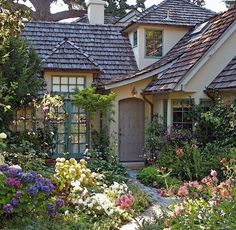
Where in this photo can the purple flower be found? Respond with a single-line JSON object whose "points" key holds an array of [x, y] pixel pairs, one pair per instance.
{"points": [[4, 167], [59, 202], [8, 208], [51, 209], [14, 172], [14, 202], [18, 194], [29, 177], [32, 190], [13, 182]]}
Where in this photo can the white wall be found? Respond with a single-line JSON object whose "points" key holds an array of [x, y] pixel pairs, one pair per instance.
{"points": [[171, 35]]}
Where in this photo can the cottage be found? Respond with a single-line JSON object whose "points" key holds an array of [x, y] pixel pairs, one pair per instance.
{"points": [[157, 62]]}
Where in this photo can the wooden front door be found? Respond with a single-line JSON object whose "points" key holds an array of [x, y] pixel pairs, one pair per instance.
{"points": [[131, 130]]}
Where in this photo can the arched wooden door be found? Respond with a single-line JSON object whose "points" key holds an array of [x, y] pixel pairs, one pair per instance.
{"points": [[131, 130]]}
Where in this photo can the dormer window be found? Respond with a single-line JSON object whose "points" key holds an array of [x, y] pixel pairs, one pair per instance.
{"points": [[153, 43], [135, 38]]}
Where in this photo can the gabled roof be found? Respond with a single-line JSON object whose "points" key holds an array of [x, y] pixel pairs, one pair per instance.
{"points": [[108, 19], [226, 79], [66, 55], [173, 12], [188, 52], [102, 43]]}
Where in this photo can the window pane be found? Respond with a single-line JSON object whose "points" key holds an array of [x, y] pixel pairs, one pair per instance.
{"points": [[56, 88], [135, 41], [56, 80], [153, 43], [80, 81], [80, 87], [64, 80], [72, 80], [82, 148], [64, 88], [72, 88]]}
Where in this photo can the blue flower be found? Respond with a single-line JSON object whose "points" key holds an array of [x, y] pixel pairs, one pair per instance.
{"points": [[4, 168], [59, 202], [14, 202], [18, 194], [32, 190], [8, 208], [51, 209]]}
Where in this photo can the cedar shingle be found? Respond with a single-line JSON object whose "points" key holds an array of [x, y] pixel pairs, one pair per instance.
{"points": [[226, 79], [104, 44]]}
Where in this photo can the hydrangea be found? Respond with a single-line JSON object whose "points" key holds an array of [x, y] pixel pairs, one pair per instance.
{"points": [[14, 202], [51, 207], [32, 190], [13, 182], [8, 208]]}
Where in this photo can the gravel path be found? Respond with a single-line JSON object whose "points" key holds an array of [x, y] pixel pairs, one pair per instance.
{"points": [[158, 203]]}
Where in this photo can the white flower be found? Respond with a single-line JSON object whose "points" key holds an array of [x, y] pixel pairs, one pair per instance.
{"points": [[66, 212], [3, 135], [16, 167]]}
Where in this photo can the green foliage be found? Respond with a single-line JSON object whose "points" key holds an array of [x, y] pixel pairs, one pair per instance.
{"points": [[93, 102], [106, 162], [216, 125], [19, 81], [141, 199], [151, 176], [153, 140]]}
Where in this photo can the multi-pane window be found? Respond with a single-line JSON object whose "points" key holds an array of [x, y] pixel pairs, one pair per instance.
{"points": [[135, 38], [67, 84], [181, 113], [153, 43], [206, 104], [23, 120]]}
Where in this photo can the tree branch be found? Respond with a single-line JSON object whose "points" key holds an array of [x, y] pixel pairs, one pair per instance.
{"points": [[67, 14]]}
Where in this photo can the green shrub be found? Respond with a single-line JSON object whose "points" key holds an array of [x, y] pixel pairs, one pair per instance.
{"points": [[141, 199], [161, 179]]}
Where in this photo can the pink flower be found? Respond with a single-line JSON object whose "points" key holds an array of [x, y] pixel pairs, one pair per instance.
{"points": [[183, 191], [200, 188], [194, 184], [13, 182], [215, 179], [177, 212], [179, 152], [154, 184], [213, 173], [125, 201], [204, 180], [161, 192], [45, 109]]}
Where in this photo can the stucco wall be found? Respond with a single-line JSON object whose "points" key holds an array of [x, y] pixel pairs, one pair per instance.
{"points": [[125, 92], [171, 35]]}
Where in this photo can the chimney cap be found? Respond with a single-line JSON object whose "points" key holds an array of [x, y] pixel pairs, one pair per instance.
{"points": [[95, 2]]}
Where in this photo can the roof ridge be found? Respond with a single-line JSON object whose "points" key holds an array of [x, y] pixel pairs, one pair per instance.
{"points": [[76, 47], [147, 11], [84, 53]]}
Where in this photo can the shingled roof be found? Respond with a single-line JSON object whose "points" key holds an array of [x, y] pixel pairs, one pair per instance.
{"points": [[66, 55], [102, 44], [108, 19], [226, 79], [187, 52], [173, 12]]}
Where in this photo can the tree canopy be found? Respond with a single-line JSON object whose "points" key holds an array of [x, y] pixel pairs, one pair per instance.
{"points": [[19, 64], [77, 8]]}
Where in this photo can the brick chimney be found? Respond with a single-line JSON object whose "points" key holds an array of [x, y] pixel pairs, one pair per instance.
{"points": [[96, 10]]}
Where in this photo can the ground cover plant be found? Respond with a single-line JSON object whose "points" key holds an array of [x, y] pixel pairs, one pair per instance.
{"points": [[206, 204]]}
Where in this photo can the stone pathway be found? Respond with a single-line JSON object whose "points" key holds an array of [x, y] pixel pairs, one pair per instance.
{"points": [[158, 203]]}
